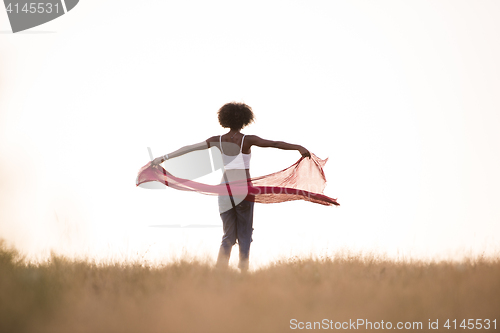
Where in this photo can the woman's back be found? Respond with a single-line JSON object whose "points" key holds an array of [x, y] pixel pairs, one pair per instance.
{"points": [[232, 154]]}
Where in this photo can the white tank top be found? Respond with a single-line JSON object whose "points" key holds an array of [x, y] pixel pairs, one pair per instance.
{"points": [[240, 161]]}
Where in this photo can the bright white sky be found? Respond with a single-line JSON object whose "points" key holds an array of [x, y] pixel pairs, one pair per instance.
{"points": [[401, 96]]}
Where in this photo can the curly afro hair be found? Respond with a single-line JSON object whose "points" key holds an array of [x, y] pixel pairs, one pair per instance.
{"points": [[235, 115]]}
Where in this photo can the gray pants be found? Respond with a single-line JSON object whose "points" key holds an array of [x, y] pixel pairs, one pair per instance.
{"points": [[237, 224]]}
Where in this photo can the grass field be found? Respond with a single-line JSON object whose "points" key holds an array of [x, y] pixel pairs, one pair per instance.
{"points": [[64, 295]]}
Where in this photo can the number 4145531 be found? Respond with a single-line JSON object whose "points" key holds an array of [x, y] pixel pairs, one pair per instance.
{"points": [[33, 8], [472, 324]]}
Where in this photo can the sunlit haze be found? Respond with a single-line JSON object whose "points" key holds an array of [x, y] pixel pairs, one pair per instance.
{"points": [[402, 97]]}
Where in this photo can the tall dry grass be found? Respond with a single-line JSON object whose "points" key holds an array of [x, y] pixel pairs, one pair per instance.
{"points": [[76, 296]]}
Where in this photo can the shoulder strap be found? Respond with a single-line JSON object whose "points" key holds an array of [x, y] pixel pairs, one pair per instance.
{"points": [[243, 138]]}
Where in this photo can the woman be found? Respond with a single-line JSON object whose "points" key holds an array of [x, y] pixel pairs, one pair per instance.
{"points": [[235, 147]]}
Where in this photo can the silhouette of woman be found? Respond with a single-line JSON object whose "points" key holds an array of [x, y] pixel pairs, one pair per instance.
{"points": [[235, 147]]}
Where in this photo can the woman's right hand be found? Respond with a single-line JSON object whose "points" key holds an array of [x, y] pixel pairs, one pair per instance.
{"points": [[304, 152], [157, 161]]}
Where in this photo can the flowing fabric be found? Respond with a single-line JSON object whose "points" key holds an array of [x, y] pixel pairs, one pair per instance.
{"points": [[304, 180]]}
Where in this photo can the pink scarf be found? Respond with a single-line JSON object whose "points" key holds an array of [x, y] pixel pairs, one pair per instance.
{"points": [[304, 180]]}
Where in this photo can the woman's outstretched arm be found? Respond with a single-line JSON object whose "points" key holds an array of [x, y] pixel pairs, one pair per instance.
{"points": [[259, 142], [180, 152]]}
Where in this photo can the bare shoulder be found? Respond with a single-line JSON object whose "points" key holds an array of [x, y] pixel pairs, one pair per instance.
{"points": [[212, 140], [255, 140], [250, 140]]}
